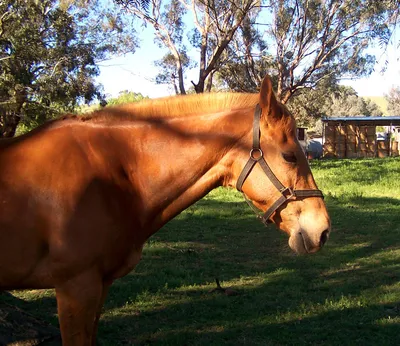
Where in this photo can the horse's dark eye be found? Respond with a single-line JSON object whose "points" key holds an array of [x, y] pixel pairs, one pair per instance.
{"points": [[290, 157]]}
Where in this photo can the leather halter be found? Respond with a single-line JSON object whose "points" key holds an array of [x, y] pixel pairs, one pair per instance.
{"points": [[257, 155]]}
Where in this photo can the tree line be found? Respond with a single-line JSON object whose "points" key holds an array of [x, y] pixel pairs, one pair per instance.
{"points": [[50, 50]]}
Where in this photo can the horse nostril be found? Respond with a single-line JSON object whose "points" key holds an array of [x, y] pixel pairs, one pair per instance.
{"points": [[324, 237]]}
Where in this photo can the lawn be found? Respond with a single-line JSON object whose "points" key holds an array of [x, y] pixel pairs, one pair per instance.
{"points": [[347, 294]]}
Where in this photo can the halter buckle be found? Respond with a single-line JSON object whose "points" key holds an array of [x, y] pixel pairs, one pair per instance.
{"points": [[287, 192]]}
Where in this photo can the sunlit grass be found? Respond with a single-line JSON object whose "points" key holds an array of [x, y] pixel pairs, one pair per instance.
{"points": [[349, 293]]}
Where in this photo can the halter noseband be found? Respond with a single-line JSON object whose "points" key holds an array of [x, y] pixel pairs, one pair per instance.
{"points": [[256, 155]]}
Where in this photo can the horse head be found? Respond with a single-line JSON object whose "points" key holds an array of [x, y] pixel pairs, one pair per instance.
{"points": [[277, 179]]}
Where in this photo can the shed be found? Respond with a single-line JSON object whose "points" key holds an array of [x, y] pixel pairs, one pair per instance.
{"points": [[350, 137], [302, 137]]}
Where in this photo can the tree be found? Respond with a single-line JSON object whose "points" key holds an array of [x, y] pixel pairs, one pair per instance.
{"points": [[312, 40], [169, 71], [143, 4], [246, 59], [301, 43], [215, 25], [49, 52], [310, 105], [167, 22], [393, 99], [318, 38], [352, 106], [126, 97], [326, 100]]}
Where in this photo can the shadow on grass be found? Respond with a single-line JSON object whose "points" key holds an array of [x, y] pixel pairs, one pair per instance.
{"points": [[348, 293], [17, 327], [336, 296], [349, 326]]}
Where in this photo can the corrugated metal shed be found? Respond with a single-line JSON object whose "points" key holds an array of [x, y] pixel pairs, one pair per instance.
{"points": [[363, 121]]}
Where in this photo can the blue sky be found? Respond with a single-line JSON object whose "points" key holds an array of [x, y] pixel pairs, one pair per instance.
{"points": [[136, 72], [378, 83]]}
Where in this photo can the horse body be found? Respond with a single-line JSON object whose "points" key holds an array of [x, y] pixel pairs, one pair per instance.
{"points": [[80, 196]]}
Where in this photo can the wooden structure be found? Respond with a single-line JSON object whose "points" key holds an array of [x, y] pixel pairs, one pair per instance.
{"points": [[351, 137], [302, 137]]}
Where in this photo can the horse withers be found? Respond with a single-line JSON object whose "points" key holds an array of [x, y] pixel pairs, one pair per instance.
{"points": [[79, 196]]}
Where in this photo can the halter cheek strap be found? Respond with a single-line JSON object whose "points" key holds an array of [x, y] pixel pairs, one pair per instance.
{"points": [[257, 156]]}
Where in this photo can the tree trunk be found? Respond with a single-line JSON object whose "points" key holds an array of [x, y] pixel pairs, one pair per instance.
{"points": [[182, 90], [209, 82], [286, 96], [199, 87]]}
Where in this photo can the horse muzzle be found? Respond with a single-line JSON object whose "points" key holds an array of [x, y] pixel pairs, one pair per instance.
{"points": [[302, 243]]}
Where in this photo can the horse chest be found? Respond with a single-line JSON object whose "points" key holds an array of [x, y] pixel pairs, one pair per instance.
{"points": [[128, 264]]}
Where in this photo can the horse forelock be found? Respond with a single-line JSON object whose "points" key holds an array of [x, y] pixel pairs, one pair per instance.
{"points": [[288, 122]]}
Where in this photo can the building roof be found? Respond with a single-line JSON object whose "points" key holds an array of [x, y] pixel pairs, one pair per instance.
{"points": [[375, 121]]}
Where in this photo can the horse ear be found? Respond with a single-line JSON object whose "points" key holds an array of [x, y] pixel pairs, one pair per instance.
{"points": [[268, 101]]}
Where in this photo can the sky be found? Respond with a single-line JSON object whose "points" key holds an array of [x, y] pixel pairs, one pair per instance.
{"points": [[378, 83], [136, 72]]}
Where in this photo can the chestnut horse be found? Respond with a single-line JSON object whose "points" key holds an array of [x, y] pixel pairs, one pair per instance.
{"points": [[79, 196]]}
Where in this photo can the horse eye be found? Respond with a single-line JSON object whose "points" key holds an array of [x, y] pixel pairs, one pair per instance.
{"points": [[289, 157]]}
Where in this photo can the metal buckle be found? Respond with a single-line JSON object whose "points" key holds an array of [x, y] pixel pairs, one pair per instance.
{"points": [[287, 192]]}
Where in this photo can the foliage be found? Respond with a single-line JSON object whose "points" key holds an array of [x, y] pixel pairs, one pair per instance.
{"points": [[215, 25], [246, 59], [347, 294], [143, 4], [312, 104], [126, 97], [353, 106], [300, 43], [393, 99], [327, 101], [169, 73], [310, 41], [167, 21], [315, 39], [49, 52]]}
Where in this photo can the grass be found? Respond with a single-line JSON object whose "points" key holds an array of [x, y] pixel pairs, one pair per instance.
{"points": [[347, 294]]}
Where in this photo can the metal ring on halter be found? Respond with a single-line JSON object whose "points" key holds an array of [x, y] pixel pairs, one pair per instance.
{"points": [[252, 151]]}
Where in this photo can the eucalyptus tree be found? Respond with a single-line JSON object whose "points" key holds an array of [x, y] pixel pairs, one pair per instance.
{"points": [[247, 59], [126, 96], [215, 23], [349, 104], [393, 99], [314, 39], [329, 100], [49, 51], [308, 41]]}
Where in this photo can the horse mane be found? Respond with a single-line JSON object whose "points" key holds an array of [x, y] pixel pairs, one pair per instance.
{"points": [[174, 106], [170, 107]]}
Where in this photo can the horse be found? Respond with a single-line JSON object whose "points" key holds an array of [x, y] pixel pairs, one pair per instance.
{"points": [[80, 195]]}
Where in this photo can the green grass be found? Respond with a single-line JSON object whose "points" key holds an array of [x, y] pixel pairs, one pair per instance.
{"points": [[347, 294]]}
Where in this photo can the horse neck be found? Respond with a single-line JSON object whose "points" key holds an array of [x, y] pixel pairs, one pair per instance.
{"points": [[180, 160]]}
